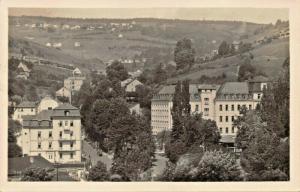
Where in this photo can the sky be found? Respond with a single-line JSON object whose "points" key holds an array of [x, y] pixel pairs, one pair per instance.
{"points": [[255, 15]]}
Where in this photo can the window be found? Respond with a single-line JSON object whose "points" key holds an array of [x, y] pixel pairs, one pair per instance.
{"points": [[50, 145], [232, 129], [60, 123], [49, 108], [250, 107], [50, 156], [50, 134], [39, 145], [206, 100], [60, 134], [71, 123], [226, 130], [66, 123], [67, 113], [232, 107], [22, 109], [39, 154], [239, 107], [71, 144], [221, 130], [258, 96], [220, 107], [71, 133], [31, 110], [226, 118], [206, 109], [71, 156], [226, 107], [39, 134], [60, 144], [60, 155], [221, 118], [232, 118], [197, 108]]}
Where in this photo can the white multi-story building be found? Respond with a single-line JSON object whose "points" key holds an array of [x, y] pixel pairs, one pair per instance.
{"points": [[24, 108], [215, 102], [54, 134]]}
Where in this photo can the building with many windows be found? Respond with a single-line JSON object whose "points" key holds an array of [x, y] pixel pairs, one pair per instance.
{"points": [[53, 133], [220, 103]]}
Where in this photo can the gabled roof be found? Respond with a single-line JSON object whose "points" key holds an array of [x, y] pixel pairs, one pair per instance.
{"points": [[19, 164], [27, 104], [23, 67], [259, 79]]}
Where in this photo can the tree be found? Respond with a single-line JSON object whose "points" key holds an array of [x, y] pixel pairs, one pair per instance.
{"points": [[224, 48], [98, 173], [116, 71], [36, 174], [160, 74], [217, 166], [184, 54], [13, 149], [186, 98]]}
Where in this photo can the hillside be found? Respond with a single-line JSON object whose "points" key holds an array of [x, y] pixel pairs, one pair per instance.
{"points": [[268, 58], [102, 40]]}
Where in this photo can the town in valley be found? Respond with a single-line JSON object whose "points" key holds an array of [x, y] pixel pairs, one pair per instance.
{"points": [[147, 99]]}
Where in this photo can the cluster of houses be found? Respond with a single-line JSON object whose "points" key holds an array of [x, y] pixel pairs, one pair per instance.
{"points": [[71, 85], [59, 44]]}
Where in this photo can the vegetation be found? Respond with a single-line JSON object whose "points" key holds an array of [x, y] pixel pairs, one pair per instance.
{"points": [[268, 159], [98, 173], [37, 174], [184, 54], [14, 127]]}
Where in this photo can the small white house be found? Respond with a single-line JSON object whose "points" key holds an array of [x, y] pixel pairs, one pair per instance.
{"points": [[76, 71], [48, 44], [120, 36], [77, 44], [63, 92], [56, 45], [130, 84]]}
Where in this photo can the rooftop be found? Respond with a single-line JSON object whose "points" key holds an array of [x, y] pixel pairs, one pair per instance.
{"points": [[27, 104], [234, 88], [66, 106]]}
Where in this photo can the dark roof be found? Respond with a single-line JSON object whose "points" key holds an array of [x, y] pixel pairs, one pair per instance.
{"points": [[65, 106], [255, 87], [27, 104], [260, 79], [234, 88], [19, 164], [227, 139]]}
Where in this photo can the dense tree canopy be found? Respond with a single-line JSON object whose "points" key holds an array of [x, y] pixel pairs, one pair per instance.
{"points": [[98, 173], [116, 71], [37, 174], [184, 53]]}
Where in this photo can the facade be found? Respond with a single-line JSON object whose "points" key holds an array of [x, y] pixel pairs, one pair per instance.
{"points": [[47, 103], [74, 83], [215, 102], [54, 134], [24, 108]]}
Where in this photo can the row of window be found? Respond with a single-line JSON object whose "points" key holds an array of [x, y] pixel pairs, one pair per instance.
{"points": [[160, 116], [160, 105], [226, 118], [233, 107], [60, 156], [21, 109], [60, 124], [159, 121], [50, 145], [226, 130], [50, 134]]}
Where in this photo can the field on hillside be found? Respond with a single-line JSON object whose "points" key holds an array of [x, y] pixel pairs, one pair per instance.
{"points": [[268, 59], [108, 44]]}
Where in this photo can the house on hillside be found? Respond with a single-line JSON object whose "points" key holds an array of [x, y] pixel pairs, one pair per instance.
{"points": [[57, 45], [236, 45], [77, 44], [63, 92], [130, 84], [135, 108], [74, 83], [48, 44], [24, 108], [23, 71], [120, 36], [77, 72], [66, 26]]}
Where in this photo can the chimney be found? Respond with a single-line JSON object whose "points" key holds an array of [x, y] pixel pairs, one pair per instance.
{"points": [[31, 159]]}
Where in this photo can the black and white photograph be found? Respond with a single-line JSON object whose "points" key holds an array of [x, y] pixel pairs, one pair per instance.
{"points": [[150, 94]]}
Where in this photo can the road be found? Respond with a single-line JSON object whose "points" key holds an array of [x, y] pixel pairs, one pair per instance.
{"points": [[159, 165], [90, 151]]}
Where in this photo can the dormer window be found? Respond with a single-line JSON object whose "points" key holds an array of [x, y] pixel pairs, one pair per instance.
{"points": [[67, 113], [49, 108]]}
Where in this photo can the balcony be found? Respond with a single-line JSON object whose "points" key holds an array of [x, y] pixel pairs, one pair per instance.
{"points": [[66, 148], [67, 138]]}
